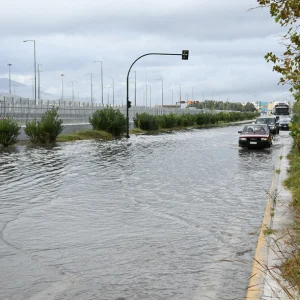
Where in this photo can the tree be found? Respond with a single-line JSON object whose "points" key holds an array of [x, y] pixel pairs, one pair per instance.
{"points": [[286, 13], [46, 130]]}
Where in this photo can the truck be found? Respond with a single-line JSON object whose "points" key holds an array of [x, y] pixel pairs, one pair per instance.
{"points": [[281, 108]]}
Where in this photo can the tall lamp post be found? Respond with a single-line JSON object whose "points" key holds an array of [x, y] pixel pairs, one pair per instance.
{"points": [[172, 95], [39, 81], [134, 88], [162, 91], [179, 90], [113, 88], [62, 86], [107, 87], [9, 80], [192, 93], [91, 85], [34, 56], [72, 82], [100, 61], [32, 84]]}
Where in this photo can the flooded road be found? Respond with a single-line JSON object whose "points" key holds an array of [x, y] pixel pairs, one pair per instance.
{"points": [[173, 216]]}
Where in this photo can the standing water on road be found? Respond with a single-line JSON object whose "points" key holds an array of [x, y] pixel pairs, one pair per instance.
{"points": [[172, 216]]}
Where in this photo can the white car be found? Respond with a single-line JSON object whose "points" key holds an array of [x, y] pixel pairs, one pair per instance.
{"points": [[284, 122]]}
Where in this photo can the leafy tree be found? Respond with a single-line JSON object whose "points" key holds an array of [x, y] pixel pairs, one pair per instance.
{"points": [[110, 120], [286, 13], [9, 131], [46, 130]]}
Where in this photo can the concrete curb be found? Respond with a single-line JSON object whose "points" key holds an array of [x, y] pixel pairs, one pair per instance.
{"points": [[264, 282]]}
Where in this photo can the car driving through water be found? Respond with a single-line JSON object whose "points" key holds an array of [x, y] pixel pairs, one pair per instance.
{"points": [[255, 136], [270, 121]]}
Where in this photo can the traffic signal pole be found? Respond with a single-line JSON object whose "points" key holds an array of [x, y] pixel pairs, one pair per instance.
{"points": [[184, 55]]}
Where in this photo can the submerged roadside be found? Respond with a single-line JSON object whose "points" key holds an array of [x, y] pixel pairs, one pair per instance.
{"points": [[274, 247]]}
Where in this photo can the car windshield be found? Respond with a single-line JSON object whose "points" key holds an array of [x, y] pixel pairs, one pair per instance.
{"points": [[267, 121], [256, 129]]}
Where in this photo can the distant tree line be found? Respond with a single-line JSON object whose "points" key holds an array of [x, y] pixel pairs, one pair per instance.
{"points": [[220, 105]]}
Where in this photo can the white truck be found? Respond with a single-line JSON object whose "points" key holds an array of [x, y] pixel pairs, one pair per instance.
{"points": [[281, 110]]}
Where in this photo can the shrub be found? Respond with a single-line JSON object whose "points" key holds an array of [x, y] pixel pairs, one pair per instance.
{"points": [[109, 120], [145, 121], [9, 131], [46, 130]]}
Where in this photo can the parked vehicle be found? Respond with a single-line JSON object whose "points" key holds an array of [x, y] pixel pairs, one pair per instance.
{"points": [[255, 136], [284, 122], [271, 121]]}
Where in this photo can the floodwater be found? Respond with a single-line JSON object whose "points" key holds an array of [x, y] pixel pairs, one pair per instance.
{"points": [[172, 216]]}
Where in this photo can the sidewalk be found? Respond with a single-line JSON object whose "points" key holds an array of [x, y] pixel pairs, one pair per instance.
{"points": [[265, 280]]}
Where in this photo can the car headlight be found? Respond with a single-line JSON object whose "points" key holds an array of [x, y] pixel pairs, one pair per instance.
{"points": [[264, 139], [272, 126], [243, 139]]}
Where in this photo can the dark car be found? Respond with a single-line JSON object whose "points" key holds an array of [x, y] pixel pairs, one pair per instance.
{"points": [[255, 136], [270, 121]]}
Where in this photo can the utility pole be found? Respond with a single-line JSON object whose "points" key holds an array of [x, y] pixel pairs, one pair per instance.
{"points": [[172, 95], [62, 86], [34, 55], [100, 61], [91, 86], [113, 88], [134, 88], [72, 82], [162, 91], [39, 81], [9, 80]]}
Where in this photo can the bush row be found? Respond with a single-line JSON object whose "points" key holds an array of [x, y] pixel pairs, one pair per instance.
{"points": [[44, 131], [145, 121], [49, 127], [112, 121]]}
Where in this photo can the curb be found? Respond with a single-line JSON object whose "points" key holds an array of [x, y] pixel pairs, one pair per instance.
{"points": [[258, 275]]}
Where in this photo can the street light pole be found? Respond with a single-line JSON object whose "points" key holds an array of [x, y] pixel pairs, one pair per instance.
{"points": [[91, 86], [39, 81], [9, 80], [113, 87], [34, 55], [192, 93], [172, 96], [62, 86], [32, 79], [72, 82], [162, 91], [134, 88], [150, 94], [100, 61], [107, 87], [179, 90]]}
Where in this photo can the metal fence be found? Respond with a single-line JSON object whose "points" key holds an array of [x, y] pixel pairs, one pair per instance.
{"points": [[23, 110]]}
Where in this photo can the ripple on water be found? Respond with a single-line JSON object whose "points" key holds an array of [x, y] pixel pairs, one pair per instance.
{"points": [[156, 217]]}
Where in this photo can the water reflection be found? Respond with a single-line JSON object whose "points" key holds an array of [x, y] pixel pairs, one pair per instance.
{"points": [[153, 217]]}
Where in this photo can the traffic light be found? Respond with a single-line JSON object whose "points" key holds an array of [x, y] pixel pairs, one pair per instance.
{"points": [[128, 104], [185, 54]]}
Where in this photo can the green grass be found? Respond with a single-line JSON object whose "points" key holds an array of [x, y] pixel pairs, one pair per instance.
{"points": [[84, 135], [291, 266], [277, 171], [268, 231]]}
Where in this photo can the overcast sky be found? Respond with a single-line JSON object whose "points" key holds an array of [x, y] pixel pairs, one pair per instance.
{"points": [[227, 44]]}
